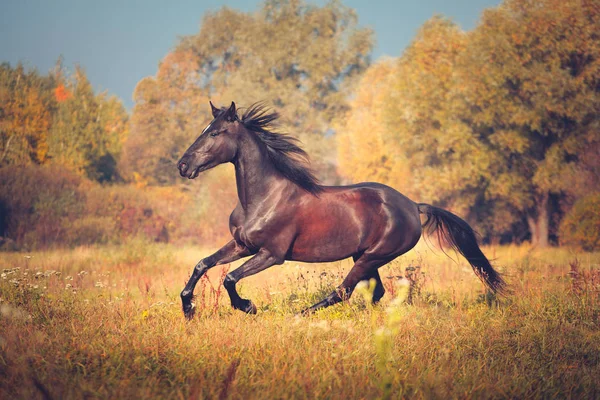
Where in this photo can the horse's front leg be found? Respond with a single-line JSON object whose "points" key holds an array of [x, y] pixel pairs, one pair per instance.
{"points": [[261, 261], [230, 252]]}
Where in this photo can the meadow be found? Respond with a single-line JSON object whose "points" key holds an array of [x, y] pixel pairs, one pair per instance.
{"points": [[106, 322]]}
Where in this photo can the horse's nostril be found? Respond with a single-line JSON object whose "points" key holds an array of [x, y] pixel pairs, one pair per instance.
{"points": [[182, 166]]}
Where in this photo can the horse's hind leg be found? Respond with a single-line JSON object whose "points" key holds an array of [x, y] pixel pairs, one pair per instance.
{"points": [[363, 269], [379, 289]]}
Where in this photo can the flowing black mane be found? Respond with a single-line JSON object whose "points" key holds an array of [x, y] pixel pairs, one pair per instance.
{"points": [[289, 158]]}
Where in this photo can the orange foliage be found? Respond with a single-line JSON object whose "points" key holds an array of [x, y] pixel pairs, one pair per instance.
{"points": [[62, 94]]}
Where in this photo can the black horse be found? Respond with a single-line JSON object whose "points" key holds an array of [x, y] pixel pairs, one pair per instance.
{"points": [[285, 214]]}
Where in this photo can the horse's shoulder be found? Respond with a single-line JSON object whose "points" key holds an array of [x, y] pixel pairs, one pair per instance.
{"points": [[236, 218]]}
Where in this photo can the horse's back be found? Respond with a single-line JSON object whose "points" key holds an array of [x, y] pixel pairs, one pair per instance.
{"points": [[374, 194], [384, 192], [400, 227], [349, 220]]}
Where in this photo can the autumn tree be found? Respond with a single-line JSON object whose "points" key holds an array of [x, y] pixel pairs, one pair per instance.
{"points": [[168, 115], [499, 123], [395, 130], [528, 88], [299, 58], [57, 118], [416, 114], [449, 163], [24, 116], [366, 149], [88, 129]]}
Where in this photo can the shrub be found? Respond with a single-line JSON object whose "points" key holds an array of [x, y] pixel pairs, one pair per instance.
{"points": [[581, 225], [91, 230], [35, 201], [44, 206]]}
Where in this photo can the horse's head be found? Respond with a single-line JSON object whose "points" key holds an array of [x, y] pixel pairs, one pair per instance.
{"points": [[217, 144]]}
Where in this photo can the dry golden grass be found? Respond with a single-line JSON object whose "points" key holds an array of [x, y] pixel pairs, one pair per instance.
{"points": [[105, 322]]}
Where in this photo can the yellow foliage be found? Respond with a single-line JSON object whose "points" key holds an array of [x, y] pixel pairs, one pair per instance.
{"points": [[365, 150], [139, 181], [25, 122]]}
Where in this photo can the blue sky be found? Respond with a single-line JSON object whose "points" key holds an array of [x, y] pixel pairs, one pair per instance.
{"points": [[119, 42]]}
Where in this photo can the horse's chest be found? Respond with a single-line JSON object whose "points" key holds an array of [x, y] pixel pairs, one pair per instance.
{"points": [[250, 233]]}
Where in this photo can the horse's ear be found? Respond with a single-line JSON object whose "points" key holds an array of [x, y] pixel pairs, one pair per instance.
{"points": [[215, 110], [231, 113]]}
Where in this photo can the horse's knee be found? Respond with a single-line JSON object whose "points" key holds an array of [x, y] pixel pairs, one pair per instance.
{"points": [[229, 282], [201, 268], [185, 294]]}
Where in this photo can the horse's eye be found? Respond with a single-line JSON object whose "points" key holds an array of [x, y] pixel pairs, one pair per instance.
{"points": [[215, 134]]}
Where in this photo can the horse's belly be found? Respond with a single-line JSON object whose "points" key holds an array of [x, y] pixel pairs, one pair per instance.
{"points": [[325, 244]]}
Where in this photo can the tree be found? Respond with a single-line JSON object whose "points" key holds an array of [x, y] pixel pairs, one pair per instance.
{"points": [[87, 129], [528, 87], [420, 125], [499, 123], [366, 147], [301, 59], [450, 163], [24, 116], [581, 225], [168, 115]]}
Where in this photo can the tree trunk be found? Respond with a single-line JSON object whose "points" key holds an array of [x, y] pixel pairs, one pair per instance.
{"points": [[6, 148], [539, 222]]}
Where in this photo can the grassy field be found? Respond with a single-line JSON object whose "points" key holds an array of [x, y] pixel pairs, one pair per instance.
{"points": [[105, 322]]}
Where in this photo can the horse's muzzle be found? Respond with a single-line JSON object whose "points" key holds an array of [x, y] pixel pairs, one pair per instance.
{"points": [[183, 167]]}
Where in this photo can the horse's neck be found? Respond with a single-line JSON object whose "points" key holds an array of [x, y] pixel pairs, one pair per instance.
{"points": [[255, 174]]}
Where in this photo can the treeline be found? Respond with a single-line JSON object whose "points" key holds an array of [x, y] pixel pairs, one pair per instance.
{"points": [[57, 118], [499, 124], [61, 182]]}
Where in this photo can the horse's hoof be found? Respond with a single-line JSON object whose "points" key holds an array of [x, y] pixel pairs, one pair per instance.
{"points": [[305, 313], [248, 307], [189, 311]]}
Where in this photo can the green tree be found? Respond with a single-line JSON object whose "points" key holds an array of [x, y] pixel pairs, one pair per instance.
{"points": [[498, 123], [528, 88], [581, 225]]}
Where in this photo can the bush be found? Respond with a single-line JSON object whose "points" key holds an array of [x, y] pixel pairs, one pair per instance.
{"points": [[35, 202], [581, 225], [91, 230], [47, 206]]}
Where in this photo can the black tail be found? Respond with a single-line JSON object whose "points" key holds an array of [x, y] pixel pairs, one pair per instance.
{"points": [[461, 237]]}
